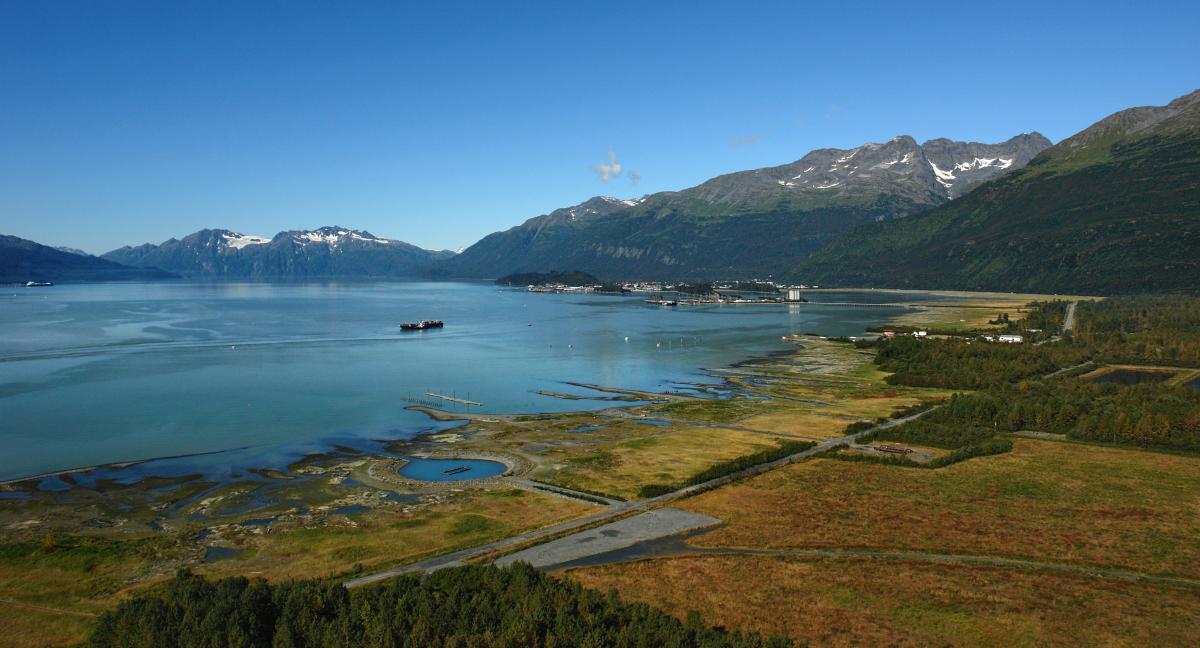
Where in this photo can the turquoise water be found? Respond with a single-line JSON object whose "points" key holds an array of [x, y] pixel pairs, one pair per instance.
{"points": [[260, 374], [435, 469]]}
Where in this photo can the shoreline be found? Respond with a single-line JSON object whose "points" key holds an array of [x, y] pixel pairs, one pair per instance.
{"points": [[116, 465], [645, 397]]}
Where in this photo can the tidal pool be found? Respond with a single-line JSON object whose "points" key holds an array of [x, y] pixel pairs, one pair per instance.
{"points": [[450, 469]]}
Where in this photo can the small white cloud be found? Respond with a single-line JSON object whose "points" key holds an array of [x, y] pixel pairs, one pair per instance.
{"points": [[744, 139], [634, 177], [608, 171]]}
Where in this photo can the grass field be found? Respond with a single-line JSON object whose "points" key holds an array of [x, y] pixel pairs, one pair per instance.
{"points": [[90, 574], [970, 310], [670, 456], [386, 538], [1045, 500], [26, 628], [826, 602]]}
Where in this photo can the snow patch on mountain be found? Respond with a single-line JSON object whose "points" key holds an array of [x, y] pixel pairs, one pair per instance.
{"points": [[237, 241], [335, 236], [983, 163]]}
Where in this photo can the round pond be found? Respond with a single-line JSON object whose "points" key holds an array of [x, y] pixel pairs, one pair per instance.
{"points": [[451, 469]]}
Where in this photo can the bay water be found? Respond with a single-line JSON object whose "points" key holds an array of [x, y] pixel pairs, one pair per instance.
{"points": [[260, 374]]}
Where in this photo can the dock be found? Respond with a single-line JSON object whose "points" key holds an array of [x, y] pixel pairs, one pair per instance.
{"points": [[452, 399]]}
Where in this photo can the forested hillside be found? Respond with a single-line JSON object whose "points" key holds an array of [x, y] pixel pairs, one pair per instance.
{"points": [[1113, 209]]}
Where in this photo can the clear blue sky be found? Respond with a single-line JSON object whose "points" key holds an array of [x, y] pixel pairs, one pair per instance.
{"points": [[437, 123]]}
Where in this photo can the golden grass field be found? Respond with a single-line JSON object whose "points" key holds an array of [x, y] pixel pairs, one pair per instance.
{"points": [[968, 310], [670, 456], [1046, 501], [827, 602], [27, 628]]}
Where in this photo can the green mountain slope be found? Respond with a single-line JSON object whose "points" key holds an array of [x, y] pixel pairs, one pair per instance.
{"points": [[1113, 209], [749, 223]]}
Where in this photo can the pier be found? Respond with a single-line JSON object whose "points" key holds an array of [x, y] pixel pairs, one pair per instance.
{"points": [[454, 399]]}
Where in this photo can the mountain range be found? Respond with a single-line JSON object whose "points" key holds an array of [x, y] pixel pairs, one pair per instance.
{"points": [[323, 253], [1112, 209], [750, 223], [22, 260]]}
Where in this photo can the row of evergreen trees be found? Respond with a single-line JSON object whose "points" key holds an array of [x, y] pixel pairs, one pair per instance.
{"points": [[1144, 329], [465, 607], [1011, 395], [1146, 415], [968, 364]]}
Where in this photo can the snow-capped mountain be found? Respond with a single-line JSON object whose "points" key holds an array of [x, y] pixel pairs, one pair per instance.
{"points": [[942, 167], [749, 223], [1109, 210], [297, 254]]}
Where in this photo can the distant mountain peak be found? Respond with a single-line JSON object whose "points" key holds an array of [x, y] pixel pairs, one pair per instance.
{"points": [[71, 250], [329, 251], [336, 235], [238, 241]]}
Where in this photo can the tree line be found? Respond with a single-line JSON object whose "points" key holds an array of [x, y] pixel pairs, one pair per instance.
{"points": [[1010, 394], [465, 607], [1153, 329]]}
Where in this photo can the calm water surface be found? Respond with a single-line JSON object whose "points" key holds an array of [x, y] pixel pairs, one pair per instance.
{"points": [[435, 469], [260, 374]]}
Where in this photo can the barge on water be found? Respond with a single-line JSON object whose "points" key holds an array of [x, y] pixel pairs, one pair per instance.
{"points": [[422, 325]]}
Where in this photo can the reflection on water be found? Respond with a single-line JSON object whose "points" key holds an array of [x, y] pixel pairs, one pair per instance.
{"points": [[93, 374]]}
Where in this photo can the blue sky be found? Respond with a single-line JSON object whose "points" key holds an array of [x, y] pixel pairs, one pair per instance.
{"points": [[437, 123]]}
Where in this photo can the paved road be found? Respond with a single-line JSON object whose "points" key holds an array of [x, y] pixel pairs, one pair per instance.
{"points": [[457, 558], [1069, 320], [530, 485], [613, 536]]}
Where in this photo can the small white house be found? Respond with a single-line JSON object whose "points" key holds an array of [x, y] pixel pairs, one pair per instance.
{"points": [[1011, 339]]}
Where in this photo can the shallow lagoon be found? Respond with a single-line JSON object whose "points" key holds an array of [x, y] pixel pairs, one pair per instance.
{"points": [[260, 374]]}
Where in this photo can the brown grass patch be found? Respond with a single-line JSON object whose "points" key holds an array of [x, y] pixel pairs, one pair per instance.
{"points": [[1044, 500], [828, 602], [25, 628], [813, 426]]}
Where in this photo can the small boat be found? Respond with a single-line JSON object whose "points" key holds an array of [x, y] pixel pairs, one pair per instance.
{"points": [[37, 284], [422, 325]]}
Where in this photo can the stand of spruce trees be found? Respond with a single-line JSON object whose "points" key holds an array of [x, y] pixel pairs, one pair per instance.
{"points": [[464, 607]]}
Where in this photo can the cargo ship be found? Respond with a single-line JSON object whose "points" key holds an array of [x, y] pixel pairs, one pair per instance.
{"points": [[422, 325]]}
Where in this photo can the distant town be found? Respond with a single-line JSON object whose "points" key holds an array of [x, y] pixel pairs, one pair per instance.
{"points": [[680, 293]]}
